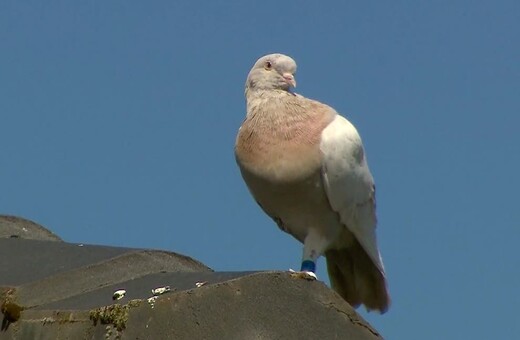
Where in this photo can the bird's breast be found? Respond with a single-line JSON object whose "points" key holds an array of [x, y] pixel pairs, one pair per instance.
{"points": [[282, 148], [279, 161]]}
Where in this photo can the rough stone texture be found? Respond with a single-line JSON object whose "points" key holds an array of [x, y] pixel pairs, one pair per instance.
{"points": [[17, 227], [58, 290], [258, 306]]}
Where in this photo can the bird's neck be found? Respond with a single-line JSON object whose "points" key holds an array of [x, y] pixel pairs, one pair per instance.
{"points": [[266, 104], [284, 116]]}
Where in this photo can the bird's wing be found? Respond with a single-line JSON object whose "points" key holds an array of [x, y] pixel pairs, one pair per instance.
{"points": [[349, 184]]}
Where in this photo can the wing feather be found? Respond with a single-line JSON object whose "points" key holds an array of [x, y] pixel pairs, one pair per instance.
{"points": [[349, 184]]}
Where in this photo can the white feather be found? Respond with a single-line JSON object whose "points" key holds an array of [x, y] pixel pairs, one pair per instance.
{"points": [[349, 184]]}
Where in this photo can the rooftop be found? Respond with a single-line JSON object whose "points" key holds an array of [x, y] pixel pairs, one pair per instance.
{"points": [[52, 289]]}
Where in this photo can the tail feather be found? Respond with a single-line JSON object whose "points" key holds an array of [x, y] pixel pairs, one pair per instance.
{"points": [[355, 278]]}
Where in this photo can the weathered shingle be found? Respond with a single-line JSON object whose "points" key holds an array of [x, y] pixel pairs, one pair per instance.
{"points": [[14, 227], [51, 290]]}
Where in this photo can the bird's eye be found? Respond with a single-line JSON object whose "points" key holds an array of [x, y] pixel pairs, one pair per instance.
{"points": [[268, 65]]}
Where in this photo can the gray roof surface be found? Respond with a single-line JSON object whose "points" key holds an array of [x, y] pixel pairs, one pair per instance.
{"points": [[52, 289]]}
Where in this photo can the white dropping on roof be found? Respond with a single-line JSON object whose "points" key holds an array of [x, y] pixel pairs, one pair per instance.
{"points": [[160, 290], [151, 301], [118, 294]]}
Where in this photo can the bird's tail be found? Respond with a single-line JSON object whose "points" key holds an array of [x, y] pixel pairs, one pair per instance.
{"points": [[354, 276]]}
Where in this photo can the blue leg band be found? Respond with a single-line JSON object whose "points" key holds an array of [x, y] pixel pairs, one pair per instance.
{"points": [[308, 266]]}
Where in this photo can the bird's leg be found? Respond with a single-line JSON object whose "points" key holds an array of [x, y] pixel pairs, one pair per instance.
{"points": [[313, 246], [309, 259]]}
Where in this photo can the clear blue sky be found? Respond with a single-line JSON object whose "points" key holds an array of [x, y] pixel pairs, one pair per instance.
{"points": [[118, 121]]}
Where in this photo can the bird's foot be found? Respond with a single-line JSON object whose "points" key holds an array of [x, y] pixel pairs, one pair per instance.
{"points": [[310, 276]]}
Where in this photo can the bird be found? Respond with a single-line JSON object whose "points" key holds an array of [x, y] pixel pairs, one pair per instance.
{"points": [[305, 165]]}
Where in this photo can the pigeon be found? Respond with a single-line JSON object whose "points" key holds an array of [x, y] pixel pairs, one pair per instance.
{"points": [[305, 166]]}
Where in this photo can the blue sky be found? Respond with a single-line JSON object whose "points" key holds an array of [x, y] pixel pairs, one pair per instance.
{"points": [[118, 122]]}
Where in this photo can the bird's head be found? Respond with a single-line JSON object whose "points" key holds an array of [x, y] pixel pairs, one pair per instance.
{"points": [[272, 72]]}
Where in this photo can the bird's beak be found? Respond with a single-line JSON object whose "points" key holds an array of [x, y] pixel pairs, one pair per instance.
{"points": [[289, 78]]}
